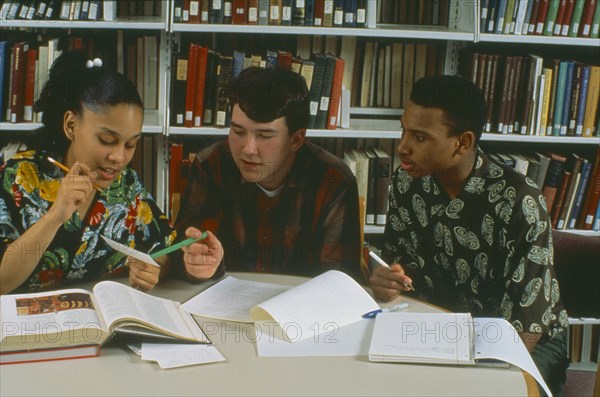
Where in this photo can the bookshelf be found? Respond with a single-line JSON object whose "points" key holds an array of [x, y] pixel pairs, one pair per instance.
{"points": [[463, 29]]}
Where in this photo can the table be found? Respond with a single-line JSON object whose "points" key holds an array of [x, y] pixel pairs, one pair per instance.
{"points": [[119, 372]]}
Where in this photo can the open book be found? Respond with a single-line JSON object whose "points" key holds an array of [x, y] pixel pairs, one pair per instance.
{"points": [[332, 299], [72, 317], [448, 338]]}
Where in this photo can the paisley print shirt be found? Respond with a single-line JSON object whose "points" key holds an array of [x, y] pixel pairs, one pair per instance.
{"points": [[125, 212], [488, 251]]}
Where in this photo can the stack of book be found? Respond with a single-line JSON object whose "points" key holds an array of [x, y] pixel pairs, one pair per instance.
{"points": [[569, 18], [67, 10]]}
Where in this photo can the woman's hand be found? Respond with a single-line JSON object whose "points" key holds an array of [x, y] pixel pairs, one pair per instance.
{"points": [[202, 258], [387, 284], [142, 275], [75, 189]]}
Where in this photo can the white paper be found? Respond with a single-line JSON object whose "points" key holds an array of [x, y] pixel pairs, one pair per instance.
{"points": [[180, 355], [125, 250], [496, 338], [330, 298], [350, 340], [442, 338], [231, 299]]}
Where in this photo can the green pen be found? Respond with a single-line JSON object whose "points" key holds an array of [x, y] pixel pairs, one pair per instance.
{"points": [[177, 246]]}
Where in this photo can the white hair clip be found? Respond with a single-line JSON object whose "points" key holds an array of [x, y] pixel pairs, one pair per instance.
{"points": [[97, 62]]}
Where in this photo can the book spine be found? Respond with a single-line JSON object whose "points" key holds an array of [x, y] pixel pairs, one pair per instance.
{"points": [[252, 14], [567, 98], [585, 178], [566, 22], [591, 108], [191, 84], [336, 93], [199, 86], [541, 18], [576, 18], [587, 18], [30, 66], [553, 178], [574, 106], [18, 82], [590, 204]]}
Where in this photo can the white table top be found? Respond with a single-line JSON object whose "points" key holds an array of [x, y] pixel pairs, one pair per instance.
{"points": [[119, 372]]}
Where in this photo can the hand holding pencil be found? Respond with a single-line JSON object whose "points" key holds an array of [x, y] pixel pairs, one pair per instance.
{"points": [[75, 192], [388, 281], [202, 258]]}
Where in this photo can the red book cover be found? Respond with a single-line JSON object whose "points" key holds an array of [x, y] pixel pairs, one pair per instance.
{"points": [[252, 18], [191, 86], [240, 8], [31, 57], [185, 11], [36, 355], [199, 91], [194, 11], [586, 18], [534, 16], [175, 162], [204, 10], [17, 90], [560, 15], [336, 93], [319, 12], [284, 59], [568, 15], [541, 18]]}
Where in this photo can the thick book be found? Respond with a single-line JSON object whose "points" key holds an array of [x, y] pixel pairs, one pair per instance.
{"points": [[382, 184], [17, 91], [554, 177], [315, 88], [336, 94], [81, 317], [188, 120], [63, 353], [327, 84], [591, 107], [199, 84], [448, 338], [332, 297]]}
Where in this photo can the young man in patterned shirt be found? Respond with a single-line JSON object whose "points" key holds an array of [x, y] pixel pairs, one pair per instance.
{"points": [[279, 203], [470, 235]]}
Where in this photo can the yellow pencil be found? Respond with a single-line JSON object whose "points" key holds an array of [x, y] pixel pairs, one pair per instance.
{"points": [[66, 169]]}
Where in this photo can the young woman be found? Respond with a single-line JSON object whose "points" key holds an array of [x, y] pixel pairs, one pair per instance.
{"points": [[52, 218]]}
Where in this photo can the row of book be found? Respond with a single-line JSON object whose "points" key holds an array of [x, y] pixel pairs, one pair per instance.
{"points": [[325, 13], [570, 184], [25, 65], [583, 343], [568, 18], [413, 12], [202, 75], [536, 96], [66, 10]]}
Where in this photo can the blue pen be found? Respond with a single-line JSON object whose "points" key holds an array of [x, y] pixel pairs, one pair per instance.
{"points": [[374, 313]]}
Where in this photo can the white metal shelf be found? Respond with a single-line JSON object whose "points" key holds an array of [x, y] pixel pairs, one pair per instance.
{"points": [[391, 31], [532, 39], [131, 23]]}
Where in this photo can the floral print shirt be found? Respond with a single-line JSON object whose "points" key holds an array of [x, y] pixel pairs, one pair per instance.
{"points": [[125, 212], [487, 251]]}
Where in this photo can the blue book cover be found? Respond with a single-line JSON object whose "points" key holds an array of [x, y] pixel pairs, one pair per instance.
{"points": [[596, 226], [564, 119], [586, 169], [559, 96], [350, 7], [309, 17], [3, 84], [238, 62], [500, 11], [585, 83]]}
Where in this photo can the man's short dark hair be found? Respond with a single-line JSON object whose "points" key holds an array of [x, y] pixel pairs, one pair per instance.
{"points": [[461, 101], [268, 94]]}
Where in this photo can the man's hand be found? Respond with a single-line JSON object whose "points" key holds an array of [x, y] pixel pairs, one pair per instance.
{"points": [[142, 275], [202, 258], [388, 283]]}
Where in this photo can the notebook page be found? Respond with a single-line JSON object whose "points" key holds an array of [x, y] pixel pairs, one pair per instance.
{"points": [[332, 299], [436, 338]]}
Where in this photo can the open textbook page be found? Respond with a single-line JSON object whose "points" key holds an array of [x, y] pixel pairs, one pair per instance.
{"points": [[126, 309], [73, 317], [48, 320], [231, 299], [332, 299]]}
